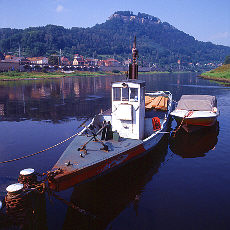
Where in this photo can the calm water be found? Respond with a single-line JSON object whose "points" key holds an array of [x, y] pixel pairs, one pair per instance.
{"points": [[184, 183]]}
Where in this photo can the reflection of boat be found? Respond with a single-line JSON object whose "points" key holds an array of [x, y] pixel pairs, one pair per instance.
{"points": [[111, 194], [196, 110], [135, 124], [196, 144]]}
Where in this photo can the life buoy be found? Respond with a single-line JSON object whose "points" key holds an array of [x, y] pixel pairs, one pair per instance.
{"points": [[156, 123]]}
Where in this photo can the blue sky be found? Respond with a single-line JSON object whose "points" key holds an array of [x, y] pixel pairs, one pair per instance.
{"points": [[206, 20]]}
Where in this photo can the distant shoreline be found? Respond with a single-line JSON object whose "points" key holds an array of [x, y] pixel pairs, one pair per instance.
{"points": [[152, 72], [220, 74], [224, 80], [14, 76]]}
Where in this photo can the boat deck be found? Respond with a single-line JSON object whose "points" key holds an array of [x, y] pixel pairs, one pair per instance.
{"points": [[94, 153]]}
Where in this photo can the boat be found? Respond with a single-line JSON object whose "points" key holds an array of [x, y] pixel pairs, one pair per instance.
{"points": [[196, 111], [136, 122], [125, 185]]}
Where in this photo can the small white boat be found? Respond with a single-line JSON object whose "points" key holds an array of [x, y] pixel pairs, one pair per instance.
{"points": [[196, 110], [135, 124]]}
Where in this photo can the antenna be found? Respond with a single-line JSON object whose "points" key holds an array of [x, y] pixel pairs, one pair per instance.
{"points": [[133, 68], [60, 57], [19, 50]]}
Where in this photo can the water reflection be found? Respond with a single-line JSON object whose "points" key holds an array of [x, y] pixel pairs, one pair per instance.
{"points": [[195, 144], [109, 195], [55, 100], [60, 99], [160, 205], [202, 86]]}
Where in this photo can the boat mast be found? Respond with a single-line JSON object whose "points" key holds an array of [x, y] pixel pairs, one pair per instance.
{"points": [[133, 67]]}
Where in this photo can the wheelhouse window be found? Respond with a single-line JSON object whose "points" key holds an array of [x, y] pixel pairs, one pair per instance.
{"points": [[116, 93], [125, 94], [133, 94]]}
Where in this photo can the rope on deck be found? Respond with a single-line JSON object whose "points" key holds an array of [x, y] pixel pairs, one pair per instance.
{"points": [[41, 151]]}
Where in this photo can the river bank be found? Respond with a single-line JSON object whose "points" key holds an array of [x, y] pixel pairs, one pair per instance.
{"points": [[220, 74], [152, 72], [14, 75]]}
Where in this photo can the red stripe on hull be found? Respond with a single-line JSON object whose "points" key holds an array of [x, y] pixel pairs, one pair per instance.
{"points": [[65, 181], [197, 121]]}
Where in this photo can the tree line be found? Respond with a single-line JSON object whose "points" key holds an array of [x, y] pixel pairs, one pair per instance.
{"points": [[157, 42]]}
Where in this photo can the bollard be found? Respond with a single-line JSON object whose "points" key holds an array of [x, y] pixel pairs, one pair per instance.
{"points": [[14, 188], [15, 202], [27, 172], [28, 177]]}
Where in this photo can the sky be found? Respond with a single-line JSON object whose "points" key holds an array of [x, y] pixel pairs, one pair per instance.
{"points": [[206, 20]]}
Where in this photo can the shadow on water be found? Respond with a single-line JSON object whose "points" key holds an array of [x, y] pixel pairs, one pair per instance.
{"points": [[107, 196], [195, 144]]}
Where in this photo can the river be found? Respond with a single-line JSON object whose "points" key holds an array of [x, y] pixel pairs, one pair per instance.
{"points": [[182, 184]]}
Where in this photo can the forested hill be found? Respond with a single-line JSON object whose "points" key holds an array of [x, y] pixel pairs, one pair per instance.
{"points": [[157, 41]]}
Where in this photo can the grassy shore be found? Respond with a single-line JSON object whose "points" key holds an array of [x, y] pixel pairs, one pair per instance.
{"points": [[159, 72], [14, 75], [151, 72], [221, 74]]}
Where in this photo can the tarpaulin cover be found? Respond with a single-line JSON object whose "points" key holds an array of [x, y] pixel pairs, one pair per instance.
{"points": [[197, 102]]}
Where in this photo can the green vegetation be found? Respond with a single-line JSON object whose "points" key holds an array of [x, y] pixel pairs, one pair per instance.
{"points": [[221, 73], [14, 75], [152, 72], [227, 60], [53, 60], [158, 42]]}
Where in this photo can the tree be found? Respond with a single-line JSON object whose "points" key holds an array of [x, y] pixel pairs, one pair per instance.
{"points": [[53, 60], [1, 56], [227, 60]]}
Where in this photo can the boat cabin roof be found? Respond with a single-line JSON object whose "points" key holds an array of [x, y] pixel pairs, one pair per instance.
{"points": [[135, 81]]}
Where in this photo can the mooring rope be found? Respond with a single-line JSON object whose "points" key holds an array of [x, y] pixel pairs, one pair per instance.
{"points": [[186, 115], [41, 151]]}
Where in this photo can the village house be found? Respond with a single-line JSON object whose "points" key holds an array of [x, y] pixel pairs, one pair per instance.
{"points": [[8, 56], [13, 63], [9, 66], [38, 60], [101, 63], [112, 62], [20, 60], [92, 61], [79, 60], [65, 61]]}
